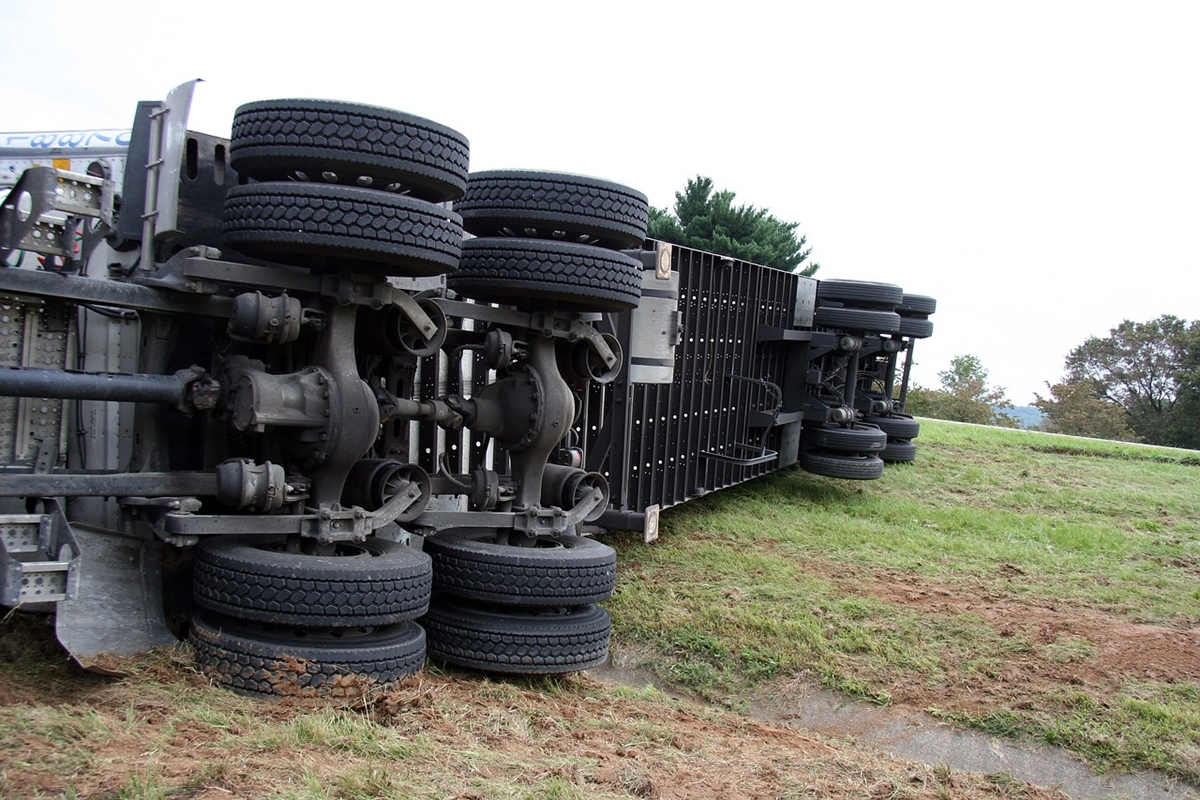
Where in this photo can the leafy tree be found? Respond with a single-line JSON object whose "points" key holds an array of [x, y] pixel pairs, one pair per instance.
{"points": [[964, 396], [709, 220], [1183, 430], [1150, 370], [1077, 409]]}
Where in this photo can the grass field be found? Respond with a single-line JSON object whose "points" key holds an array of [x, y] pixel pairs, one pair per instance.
{"points": [[1028, 585], [1022, 583], [161, 731]]}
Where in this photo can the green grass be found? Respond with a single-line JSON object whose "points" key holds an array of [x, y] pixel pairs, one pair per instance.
{"points": [[1143, 725], [772, 579], [339, 731]]}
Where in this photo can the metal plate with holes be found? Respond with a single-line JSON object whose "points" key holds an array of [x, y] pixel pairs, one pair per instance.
{"points": [[33, 335], [19, 533], [12, 336], [38, 558], [43, 582]]}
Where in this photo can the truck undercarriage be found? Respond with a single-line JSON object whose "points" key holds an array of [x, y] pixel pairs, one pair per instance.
{"points": [[325, 403]]}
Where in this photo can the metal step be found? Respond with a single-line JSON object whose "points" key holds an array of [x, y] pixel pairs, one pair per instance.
{"points": [[39, 558]]}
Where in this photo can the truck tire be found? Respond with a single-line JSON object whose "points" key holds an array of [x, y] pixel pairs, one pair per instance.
{"points": [[857, 320], [528, 641], [899, 451], [856, 438], [916, 305], [551, 205], [849, 467], [915, 328], [263, 660], [558, 570], [860, 293], [326, 141], [896, 426], [334, 228], [535, 272], [375, 582]]}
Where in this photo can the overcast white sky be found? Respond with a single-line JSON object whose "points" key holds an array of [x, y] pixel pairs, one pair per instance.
{"points": [[1033, 165]]}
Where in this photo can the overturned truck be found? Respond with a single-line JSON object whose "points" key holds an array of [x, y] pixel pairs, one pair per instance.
{"points": [[263, 393]]}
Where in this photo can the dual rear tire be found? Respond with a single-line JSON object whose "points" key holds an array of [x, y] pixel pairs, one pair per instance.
{"points": [[345, 187], [843, 451], [901, 429], [280, 622], [522, 610], [550, 239]]}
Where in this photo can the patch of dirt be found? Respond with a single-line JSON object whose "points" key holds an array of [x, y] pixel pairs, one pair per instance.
{"points": [[1056, 645], [162, 728]]}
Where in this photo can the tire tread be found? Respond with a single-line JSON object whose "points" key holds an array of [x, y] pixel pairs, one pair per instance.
{"points": [[463, 636], [232, 577], [273, 138], [232, 655], [519, 271], [582, 571], [591, 210], [303, 224]]}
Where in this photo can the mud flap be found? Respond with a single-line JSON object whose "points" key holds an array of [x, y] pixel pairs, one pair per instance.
{"points": [[118, 609]]}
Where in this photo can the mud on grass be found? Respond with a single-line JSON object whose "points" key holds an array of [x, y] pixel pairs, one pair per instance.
{"points": [[163, 731], [988, 653], [1124, 693], [1028, 593]]}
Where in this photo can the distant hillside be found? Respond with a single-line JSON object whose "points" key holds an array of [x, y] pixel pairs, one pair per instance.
{"points": [[1026, 416]]}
